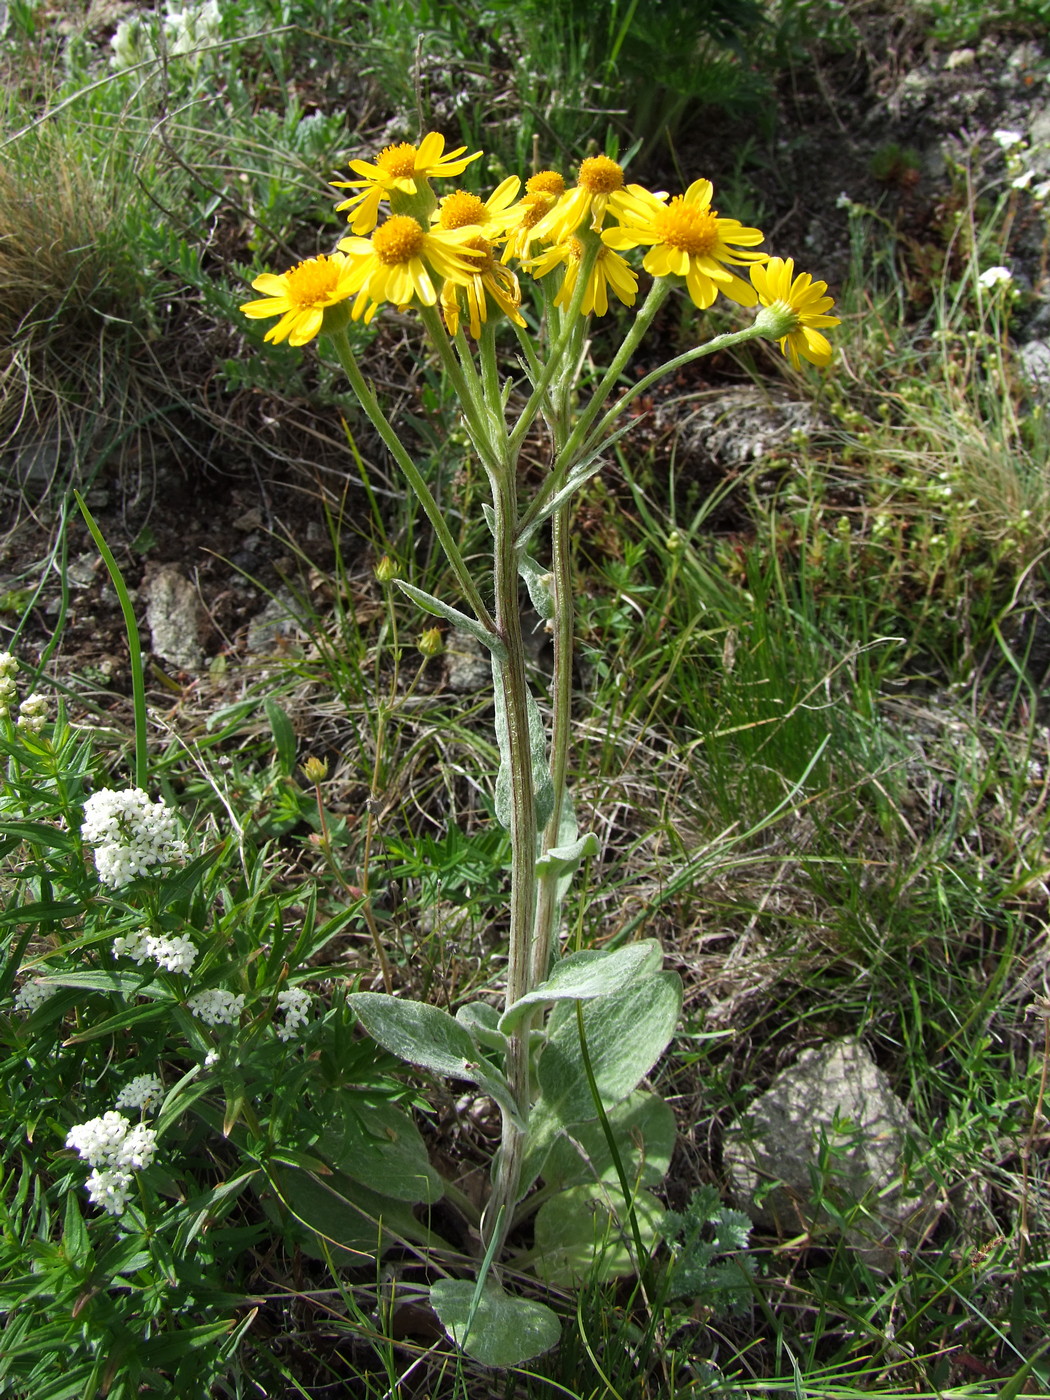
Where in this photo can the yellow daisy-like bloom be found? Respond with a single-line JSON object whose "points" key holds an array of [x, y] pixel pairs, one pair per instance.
{"points": [[300, 296], [395, 264], [802, 298], [542, 192], [600, 183], [688, 239], [491, 279], [397, 168], [461, 208], [609, 270]]}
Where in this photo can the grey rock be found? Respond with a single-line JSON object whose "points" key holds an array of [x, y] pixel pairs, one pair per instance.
{"points": [[1035, 367], [276, 627], [826, 1145], [468, 669], [739, 427], [173, 614]]}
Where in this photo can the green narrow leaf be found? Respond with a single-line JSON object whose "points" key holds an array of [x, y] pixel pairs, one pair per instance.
{"points": [[470, 625], [283, 736]]}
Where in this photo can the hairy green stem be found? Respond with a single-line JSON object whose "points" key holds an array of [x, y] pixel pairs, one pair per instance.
{"points": [[511, 678]]}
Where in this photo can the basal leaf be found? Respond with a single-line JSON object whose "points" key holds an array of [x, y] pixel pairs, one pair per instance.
{"points": [[494, 1327]]}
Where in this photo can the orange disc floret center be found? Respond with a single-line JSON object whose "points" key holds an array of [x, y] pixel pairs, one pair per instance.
{"points": [[399, 161], [312, 283], [600, 175], [481, 249], [684, 226], [399, 240], [462, 208], [545, 182], [575, 250]]}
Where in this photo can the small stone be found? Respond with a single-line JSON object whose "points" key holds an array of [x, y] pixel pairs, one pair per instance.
{"points": [[833, 1114], [1035, 367], [468, 666], [173, 616]]}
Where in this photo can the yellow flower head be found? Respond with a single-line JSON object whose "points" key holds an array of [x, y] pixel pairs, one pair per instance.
{"points": [[599, 185], [688, 239], [802, 303], [461, 208], [397, 169], [396, 263], [609, 270], [300, 296], [489, 279], [542, 192]]}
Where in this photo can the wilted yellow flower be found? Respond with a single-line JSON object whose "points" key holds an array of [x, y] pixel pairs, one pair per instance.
{"points": [[609, 270], [490, 279], [687, 239], [397, 169], [802, 304], [600, 182], [300, 297], [395, 264]]}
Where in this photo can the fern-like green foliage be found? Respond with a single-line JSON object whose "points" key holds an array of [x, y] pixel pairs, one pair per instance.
{"points": [[708, 1240]]}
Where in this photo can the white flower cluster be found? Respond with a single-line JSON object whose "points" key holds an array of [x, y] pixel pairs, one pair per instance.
{"points": [[295, 1005], [174, 953], [217, 1007], [185, 31], [130, 834], [115, 1150], [32, 994], [993, 277], [32, 713], [144, 1092], [8, 690]]}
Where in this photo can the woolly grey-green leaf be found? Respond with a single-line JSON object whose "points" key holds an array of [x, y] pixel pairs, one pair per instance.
{"points": [[586, 976], [494, 1327]]}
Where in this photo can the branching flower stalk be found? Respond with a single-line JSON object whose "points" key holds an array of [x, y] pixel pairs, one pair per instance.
{"points": [[452, 259]]}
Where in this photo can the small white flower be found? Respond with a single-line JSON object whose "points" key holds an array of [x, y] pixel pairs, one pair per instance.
{"points": [[99, 1140], [32, 713], [32, 994], [1007, 140], [174, 952], [1021, 182], [131, 834], [996, 277], [295, 1004], [211, 1058], [1040, 191], [8, 664], [217, 1007], [114, 1149], [144, 1092], [109, 1189]]}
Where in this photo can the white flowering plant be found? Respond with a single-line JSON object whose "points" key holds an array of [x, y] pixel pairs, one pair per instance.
{"points": [[171, 1058]]}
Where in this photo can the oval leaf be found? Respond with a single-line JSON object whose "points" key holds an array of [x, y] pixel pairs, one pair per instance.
{"points": [[587, 975], [585, 1234], [493, 1328]]}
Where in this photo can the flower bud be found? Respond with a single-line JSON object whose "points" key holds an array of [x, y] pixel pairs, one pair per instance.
{"points": [[386, 569], [431, 643], [314, 769]]}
